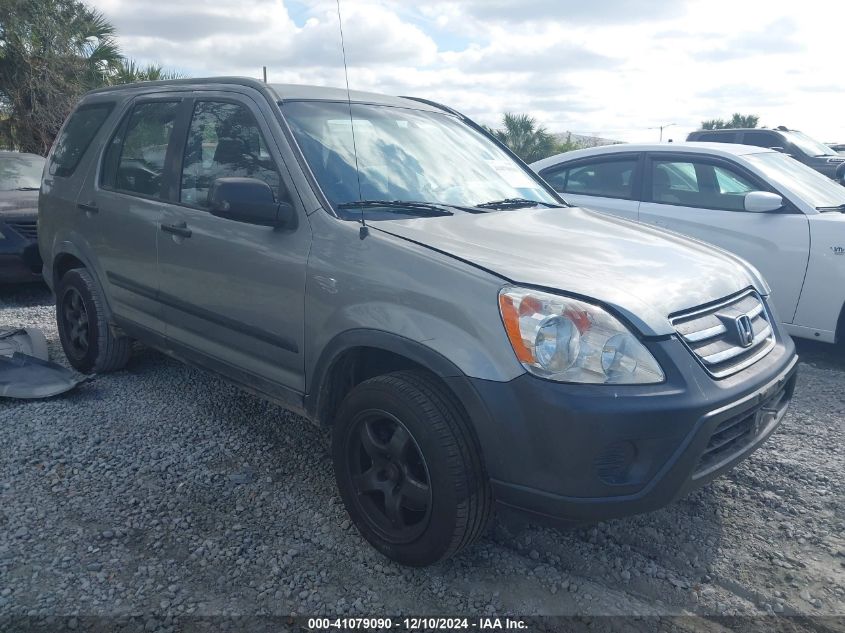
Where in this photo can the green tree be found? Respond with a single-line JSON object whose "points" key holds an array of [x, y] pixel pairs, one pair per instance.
{"points": [[129, 71], [736, 121], [51, 51], [744, 120], [525, 137], [713, 124]]}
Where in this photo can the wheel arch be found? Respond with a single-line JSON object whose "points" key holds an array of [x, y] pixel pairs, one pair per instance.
{"points": [[355, 355], [64, 262], [68, 257]]}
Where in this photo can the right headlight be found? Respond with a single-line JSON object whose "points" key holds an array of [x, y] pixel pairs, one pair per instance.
{"points": [[569, 340]]}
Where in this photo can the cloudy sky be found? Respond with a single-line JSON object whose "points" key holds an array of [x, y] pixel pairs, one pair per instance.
{"points": [[613, 68]]}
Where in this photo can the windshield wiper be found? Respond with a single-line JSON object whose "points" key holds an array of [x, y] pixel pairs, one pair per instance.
{"points": [[408, 207], [514, 203], [841, 207], [27, 188]]}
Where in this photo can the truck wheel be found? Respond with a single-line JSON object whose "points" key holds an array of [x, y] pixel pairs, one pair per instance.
{"points": [[88, 342], [409, 468]]}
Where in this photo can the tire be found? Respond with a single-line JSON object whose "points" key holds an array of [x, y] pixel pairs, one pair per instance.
{"points": [[409, 468], [87, 340]]}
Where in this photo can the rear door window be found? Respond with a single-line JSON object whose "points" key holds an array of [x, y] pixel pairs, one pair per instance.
{"points": [[606, 178], [763, 139], [134, 161], [76, 136]]}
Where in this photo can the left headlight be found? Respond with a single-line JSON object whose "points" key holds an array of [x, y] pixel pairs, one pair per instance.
{"points": [[569, 340]]}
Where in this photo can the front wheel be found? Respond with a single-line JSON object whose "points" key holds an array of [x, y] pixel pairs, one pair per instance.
{"points": [[409, 468]]}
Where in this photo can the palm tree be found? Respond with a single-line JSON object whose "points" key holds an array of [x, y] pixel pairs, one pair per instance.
{"points": [[736, 121], [51, 51], [713, 124], [129, 71], [525, 137], [744, 120]]}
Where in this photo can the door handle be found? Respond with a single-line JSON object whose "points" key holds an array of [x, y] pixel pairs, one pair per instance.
{"points": [[178, 228], [88, 208]]}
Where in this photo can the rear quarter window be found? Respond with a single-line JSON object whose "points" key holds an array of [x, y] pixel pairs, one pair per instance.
{"points": [[76, 136]]}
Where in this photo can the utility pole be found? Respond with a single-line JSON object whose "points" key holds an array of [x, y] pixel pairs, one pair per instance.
{"points": [[661, 128], [265, 73]]}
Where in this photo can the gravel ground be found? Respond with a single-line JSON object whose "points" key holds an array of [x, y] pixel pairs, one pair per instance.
{"points": [[162, 490]]}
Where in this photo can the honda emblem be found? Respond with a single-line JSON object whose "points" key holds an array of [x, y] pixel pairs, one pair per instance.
{"points": [[744, 330]]}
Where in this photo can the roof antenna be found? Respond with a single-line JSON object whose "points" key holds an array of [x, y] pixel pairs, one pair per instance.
{"points": [[364, 230]]}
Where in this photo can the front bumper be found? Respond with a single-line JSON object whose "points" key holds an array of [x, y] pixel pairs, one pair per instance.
{"points": [[20, 260], [589, 452]]}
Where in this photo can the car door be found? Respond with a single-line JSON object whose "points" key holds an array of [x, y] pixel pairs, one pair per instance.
{"points": [[607, 183], [703, 197], [233, 291], [124, 199]]}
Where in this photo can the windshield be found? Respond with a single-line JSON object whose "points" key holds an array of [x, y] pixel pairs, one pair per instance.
{"points": [[20, 171], [405, 154], [816, 189], [808, 145]]}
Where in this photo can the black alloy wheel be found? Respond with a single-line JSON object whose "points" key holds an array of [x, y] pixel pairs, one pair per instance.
{"points": [[88, 339], [75, 322], [389, 476], [409, 467]]}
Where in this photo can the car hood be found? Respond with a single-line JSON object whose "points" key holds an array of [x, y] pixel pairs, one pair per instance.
{"points": [[643, 273], [18, 202]]}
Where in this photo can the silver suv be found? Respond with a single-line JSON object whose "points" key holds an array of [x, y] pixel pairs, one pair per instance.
{"points": [[383, 266]]}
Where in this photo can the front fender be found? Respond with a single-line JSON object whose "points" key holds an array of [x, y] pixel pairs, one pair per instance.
{"points": [[419, 353], [387, 284], [377, 339]]}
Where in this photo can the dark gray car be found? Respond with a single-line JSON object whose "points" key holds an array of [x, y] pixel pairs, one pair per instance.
{"points": [[801, 147], [469, 337], [20, 179]]}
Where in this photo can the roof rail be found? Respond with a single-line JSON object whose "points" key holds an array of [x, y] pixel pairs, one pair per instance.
{"points": [[240, 81]]}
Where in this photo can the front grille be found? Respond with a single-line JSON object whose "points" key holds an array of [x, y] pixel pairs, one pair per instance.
{"points": [[728, 336], [736, 433], [27, 228]]}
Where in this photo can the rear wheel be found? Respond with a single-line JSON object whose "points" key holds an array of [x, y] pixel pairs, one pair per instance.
{"points": [[409, 468], [87, 340]]}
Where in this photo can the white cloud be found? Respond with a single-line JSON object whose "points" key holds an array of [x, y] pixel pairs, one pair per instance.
{"points": [[614, 68]]}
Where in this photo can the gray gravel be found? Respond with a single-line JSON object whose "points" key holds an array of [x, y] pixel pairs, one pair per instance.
{"points": [[163, 490]]}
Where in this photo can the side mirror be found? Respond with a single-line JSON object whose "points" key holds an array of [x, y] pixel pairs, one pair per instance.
{"points": [[762, 202], [248, 200]]}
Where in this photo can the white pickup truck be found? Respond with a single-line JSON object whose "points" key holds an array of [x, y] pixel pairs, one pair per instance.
{"points": [[783, 217]]}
